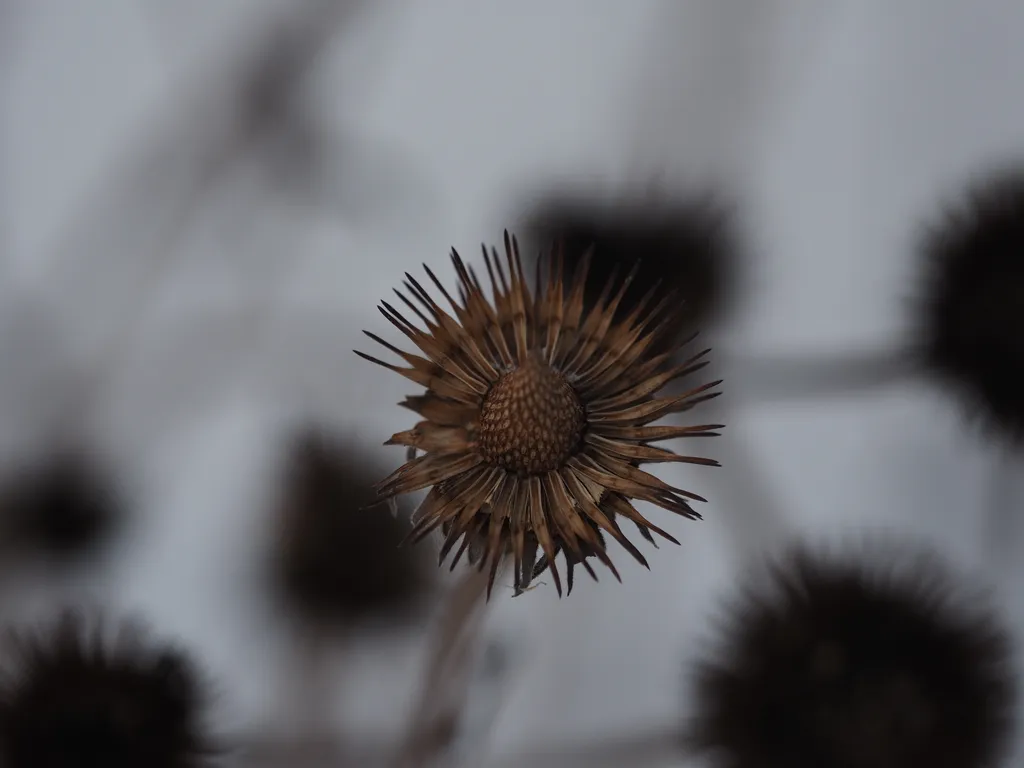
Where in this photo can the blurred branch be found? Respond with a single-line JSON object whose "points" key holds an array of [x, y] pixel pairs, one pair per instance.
{"points": [[640, 747], [793, 377], [9, 10], [712, 77], [655, 745], [750, 510], [164, 180], [434, 718], [1001, 522], [261, 751]]}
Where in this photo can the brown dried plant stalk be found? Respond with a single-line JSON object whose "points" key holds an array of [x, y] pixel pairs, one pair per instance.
{"points": [[445, 685]]}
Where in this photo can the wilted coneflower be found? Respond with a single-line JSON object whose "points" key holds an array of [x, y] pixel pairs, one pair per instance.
{"points": [[537, 416], [338, 559], [684, 245], [848, 663], [971, 306], [71, 696]]}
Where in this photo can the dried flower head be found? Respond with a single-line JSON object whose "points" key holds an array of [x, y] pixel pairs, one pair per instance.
{"points": [[685, 245], [338, 559], [857, 664], [537, 416], [62, 506], [972, 302], [70, 698]]}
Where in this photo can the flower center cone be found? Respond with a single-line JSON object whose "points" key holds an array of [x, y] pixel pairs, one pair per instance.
{"points": [[531, 421]]}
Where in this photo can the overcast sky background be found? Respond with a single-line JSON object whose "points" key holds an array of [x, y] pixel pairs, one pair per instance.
{"points": [[839, 126]]}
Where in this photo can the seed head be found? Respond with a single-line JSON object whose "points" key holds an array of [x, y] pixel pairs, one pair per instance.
{"points": [[531, 420], [69, 698], [971, 305], [62, 506], [536, 416], [850, 663], [685, 245], [338, 558]]}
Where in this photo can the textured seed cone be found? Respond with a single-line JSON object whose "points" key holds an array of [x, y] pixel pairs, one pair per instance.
{"points": [[971, 306], [62, 506], [857, 663], [537, 416], [71, 696], [338, 557], [686, 246]]}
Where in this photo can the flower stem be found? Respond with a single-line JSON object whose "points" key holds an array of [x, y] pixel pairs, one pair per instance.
{"points": [[653, 745], [751, 512], [1001, 527], [443, 692]]}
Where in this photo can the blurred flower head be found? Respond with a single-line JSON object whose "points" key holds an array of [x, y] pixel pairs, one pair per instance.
{"points": [[971, 304], [60, 506], [72, 696], [879, 660], [537, 414], [338, 553], [684, 245]]}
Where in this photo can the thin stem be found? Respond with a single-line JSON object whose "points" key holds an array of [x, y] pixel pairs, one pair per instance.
{"points": [[311, 684], [644, 747], [257, 750], [446, 683], [762, 380], [750, 511], [641, 747], [1002, 514]]}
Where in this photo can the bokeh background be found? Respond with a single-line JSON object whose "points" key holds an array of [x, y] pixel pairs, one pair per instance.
{"points": [[198, 217]]}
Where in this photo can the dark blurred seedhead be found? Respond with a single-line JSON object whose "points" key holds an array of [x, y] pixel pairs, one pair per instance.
{"points": [[878, 658], [338, 558], [61, 506], [969, 310], [686, 242], [81, 692]]}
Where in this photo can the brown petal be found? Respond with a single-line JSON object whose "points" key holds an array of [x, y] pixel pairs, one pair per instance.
{"points": [[426, 471], [538, 523], [653, 410], [620, 505], [441, 410], [644, 434], [650, 385], [433, 438], [446, 388], [643, 454]]}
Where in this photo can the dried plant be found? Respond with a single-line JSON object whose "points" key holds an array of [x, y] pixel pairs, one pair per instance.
{"points": [[71, 698], [537, 416], [62, 506], [872, 660], [338, 559], [972, 304], [685, 245]]}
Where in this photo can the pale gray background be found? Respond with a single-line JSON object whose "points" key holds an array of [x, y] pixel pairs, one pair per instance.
{"points": [[839, 125]]}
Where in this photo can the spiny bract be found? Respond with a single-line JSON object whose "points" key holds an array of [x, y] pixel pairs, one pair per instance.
{"points": [[537, 416]]}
